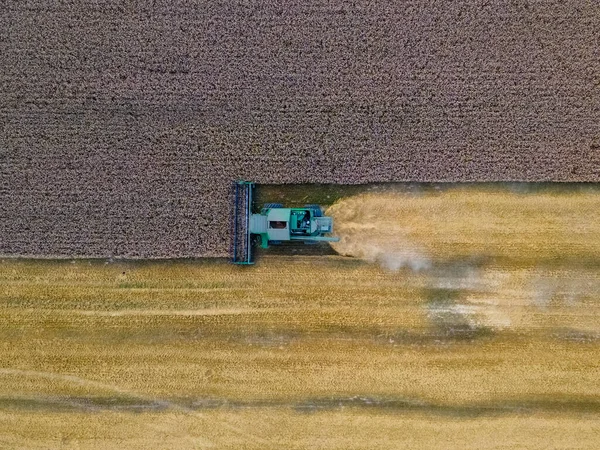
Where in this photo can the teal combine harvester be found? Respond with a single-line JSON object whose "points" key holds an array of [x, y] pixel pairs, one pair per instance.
{"points": [[274, 224]]}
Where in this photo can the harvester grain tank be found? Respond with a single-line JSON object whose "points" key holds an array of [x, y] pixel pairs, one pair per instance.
{"points": [[274, 224]]}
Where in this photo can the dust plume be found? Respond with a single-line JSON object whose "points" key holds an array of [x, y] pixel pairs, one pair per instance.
{"points": [[490, 258], [408, 230]]}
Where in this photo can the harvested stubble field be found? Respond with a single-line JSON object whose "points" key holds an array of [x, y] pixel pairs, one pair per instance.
{"points": [[297, 352], [123, 125], [492, 344]]}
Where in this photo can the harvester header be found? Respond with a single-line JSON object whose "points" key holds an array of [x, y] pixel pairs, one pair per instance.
{"points": [[274, 224]]}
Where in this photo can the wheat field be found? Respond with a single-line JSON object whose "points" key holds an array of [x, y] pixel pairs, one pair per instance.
{"points": [[123, 125]]}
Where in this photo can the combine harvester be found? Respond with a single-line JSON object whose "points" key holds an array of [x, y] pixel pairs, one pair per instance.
{"points": [[274, 224]]}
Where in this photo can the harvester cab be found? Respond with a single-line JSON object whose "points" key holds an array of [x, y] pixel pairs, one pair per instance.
{"points": [[274, 224]]}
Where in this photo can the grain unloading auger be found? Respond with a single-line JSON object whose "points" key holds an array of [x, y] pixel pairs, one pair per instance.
{"points": [[274, 224]]}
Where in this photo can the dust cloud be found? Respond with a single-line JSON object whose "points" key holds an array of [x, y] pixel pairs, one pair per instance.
{"points": [[467, 223], [490, 258]]}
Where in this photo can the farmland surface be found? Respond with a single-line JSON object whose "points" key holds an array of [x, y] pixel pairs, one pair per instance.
{"points": [[298, 352], [122, 125], [462, 318]]}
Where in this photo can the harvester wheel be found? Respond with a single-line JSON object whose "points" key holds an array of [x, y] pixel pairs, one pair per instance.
{"points": [[316, 209]]}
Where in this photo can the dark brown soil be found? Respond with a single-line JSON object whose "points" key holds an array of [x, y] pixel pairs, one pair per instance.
{"points": [[121, 129]]}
